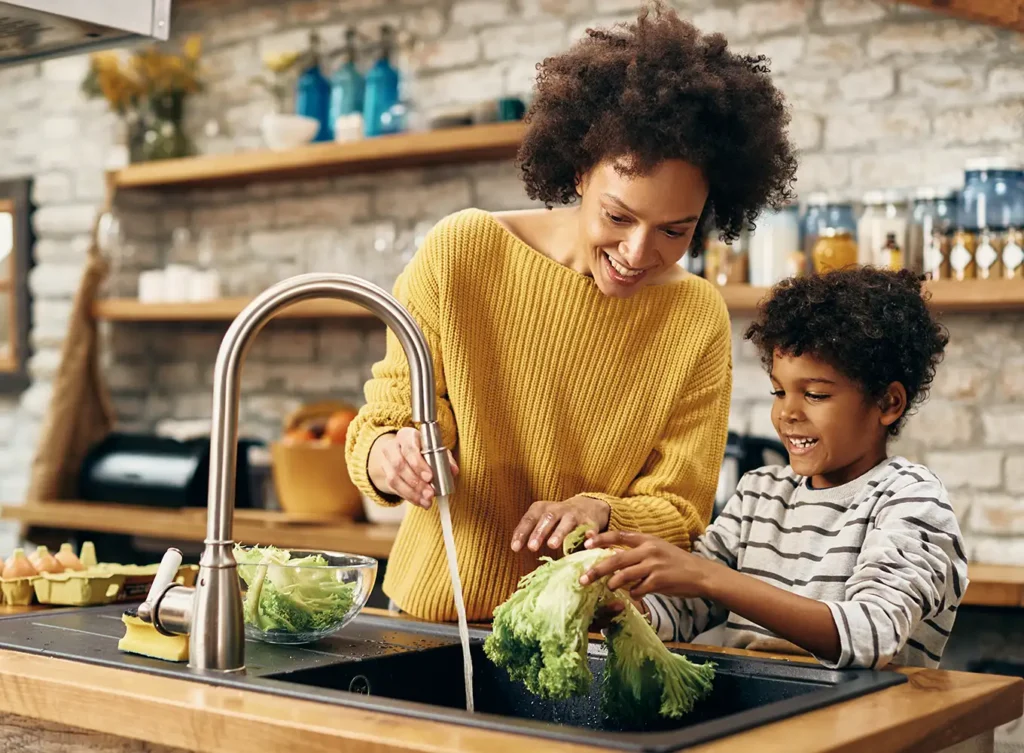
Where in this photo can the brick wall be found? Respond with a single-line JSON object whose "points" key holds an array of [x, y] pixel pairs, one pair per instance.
{"points": [[882, 95]]}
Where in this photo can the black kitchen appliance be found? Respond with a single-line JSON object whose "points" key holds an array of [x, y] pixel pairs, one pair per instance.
{"points": [[143, 469], [742, 454]]}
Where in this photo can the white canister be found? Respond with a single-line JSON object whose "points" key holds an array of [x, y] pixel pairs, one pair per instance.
{"points": [[348, 127], [151, 286], [178, 283], [775, 238], [205, 285]]}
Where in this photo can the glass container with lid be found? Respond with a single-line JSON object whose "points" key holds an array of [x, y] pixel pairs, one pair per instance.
{"points": [[775, 240], [991, 210], [885, 213], [932, 223]]}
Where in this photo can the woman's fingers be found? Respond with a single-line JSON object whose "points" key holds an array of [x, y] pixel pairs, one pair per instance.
{"points": [[453, 464], [545, 525], [566, 525], [525, 527]]}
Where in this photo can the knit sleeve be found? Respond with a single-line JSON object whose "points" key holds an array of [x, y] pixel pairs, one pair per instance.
{"points": [[388, 393], [673, 496], [911, 568]]}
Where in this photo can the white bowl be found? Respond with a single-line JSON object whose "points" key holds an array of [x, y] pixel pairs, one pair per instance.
{"points": [[284, 131], [386, 515]]}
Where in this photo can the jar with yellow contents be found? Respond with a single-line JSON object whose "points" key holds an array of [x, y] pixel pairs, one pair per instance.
{"points": [[836, 247]]}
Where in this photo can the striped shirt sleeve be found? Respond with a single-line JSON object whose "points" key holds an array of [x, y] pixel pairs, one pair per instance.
{"points": [[911, 568], [679, 619]]}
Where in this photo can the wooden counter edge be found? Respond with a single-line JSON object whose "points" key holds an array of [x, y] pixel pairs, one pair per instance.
{"points": [[934, 709]]}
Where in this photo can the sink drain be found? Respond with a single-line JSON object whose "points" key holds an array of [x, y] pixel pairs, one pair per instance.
{"points": [[359, 684]]}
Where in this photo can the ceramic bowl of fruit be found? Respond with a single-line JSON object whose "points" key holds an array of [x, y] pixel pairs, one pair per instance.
{"points": [[295, 597], [308, 464]]}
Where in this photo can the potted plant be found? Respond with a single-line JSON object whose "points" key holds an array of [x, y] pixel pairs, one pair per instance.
{"points": [[281, 129], [148, 90]]}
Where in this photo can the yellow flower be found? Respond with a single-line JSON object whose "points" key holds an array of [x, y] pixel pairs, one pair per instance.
{"points": [[193, 47]]}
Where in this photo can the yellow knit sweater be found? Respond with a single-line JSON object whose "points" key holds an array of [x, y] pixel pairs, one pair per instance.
{"points": [[552, 389]]}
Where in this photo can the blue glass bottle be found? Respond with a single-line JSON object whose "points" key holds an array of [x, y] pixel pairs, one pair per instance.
{"points": [[381, 90], [347, 84], [313, 92]]}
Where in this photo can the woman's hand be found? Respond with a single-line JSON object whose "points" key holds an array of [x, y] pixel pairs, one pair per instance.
{"points": [[396, 466], [649, 565], [554, 521]]}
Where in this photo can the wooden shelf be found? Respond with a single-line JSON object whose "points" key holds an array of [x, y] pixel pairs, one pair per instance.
{"points": [[947, 296], [189, 524], [222, 309], [495, 141]]}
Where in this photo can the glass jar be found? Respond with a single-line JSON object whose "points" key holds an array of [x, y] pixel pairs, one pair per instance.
{"points": [[835, 249], [774, 240], [884, 214], [812, 224], [930, 233], [991, 208]]}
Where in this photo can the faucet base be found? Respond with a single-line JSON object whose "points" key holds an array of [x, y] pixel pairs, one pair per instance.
{"points": [[217, 635]]}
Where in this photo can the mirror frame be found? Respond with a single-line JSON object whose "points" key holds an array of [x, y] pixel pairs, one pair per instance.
{"points": [[19, 192]]}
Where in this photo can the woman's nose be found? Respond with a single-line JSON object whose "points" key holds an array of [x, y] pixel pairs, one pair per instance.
{"points": [[636, 247]]}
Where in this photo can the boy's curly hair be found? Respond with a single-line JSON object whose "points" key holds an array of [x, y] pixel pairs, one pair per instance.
{"points": [[873, 325], [657, 89]]}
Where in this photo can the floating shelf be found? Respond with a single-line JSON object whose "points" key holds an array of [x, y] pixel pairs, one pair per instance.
{"points": [[1008, 14], [495, 141], [222, 309], [189, 524], [947, 297]]}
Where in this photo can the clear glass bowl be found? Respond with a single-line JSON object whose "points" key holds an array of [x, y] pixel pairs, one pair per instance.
{"points": [[302, 603]]}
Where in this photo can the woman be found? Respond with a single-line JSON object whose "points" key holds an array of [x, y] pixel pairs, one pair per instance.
{"points": [[582, 376]]}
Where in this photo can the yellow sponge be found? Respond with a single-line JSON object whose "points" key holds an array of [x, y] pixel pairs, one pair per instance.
{"points": [[142, 638]]}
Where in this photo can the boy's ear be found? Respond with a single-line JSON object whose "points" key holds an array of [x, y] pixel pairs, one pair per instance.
{"points": [[893, 403]]}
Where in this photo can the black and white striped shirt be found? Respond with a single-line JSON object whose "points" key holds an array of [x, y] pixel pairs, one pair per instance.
{"points": [[884, 552]]}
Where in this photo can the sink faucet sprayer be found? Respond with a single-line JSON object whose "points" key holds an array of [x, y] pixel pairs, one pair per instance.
{"points": [[211, 612]]}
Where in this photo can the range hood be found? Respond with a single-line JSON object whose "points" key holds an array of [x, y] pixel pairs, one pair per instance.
{"points": [[34, 30]]}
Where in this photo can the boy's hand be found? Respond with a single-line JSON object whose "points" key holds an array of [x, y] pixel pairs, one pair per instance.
{"points": [[650, 565]]}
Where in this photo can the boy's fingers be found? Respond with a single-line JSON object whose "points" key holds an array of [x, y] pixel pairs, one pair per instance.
{"points": [[618, 561], [616, 538], [629, 576]]}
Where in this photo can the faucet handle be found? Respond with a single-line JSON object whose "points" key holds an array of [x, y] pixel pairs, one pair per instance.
{"points": [[165, 574]]}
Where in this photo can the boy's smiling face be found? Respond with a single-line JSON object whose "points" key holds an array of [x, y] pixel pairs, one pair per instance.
{"points": [[833, 431]]}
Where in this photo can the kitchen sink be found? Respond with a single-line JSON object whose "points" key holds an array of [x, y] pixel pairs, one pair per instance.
{"points": [[415, 669]]}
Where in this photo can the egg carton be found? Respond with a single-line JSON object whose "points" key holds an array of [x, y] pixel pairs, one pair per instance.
{"points": [[104, 583]]}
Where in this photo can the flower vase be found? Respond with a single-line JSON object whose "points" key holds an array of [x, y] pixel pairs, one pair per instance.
{"points": [[164, 136]]}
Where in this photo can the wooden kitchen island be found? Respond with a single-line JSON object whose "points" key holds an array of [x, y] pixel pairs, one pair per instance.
{"points": [[49, 705]]}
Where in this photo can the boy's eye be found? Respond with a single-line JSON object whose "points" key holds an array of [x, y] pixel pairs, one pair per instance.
{"points": [[816, 396], [778, 393]]}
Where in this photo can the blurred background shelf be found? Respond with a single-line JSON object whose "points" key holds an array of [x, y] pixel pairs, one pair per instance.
{"points": [[222, 309], [189, 524], [450, 146], [946, 296]]}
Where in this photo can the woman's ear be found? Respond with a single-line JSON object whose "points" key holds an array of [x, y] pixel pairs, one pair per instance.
{"points": [[893, 404]]}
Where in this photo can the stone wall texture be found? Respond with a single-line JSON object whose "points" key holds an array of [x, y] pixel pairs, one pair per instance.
{"points": [[882, 95]]}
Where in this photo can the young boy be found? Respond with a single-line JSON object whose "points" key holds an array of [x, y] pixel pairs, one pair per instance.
{"points": [[851, 555]]}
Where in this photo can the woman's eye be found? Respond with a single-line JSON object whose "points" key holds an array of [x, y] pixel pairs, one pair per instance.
{"points": [[673, 234], [617, 219]]}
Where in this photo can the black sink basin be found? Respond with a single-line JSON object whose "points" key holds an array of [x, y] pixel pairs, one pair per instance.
{"points": [[415, 669], [747, 693]]}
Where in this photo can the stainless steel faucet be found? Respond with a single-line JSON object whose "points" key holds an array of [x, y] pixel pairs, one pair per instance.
{"points": [[211, 612]]}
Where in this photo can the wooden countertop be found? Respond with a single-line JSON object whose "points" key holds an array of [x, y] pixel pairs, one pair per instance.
{"points": [[933, 710]]}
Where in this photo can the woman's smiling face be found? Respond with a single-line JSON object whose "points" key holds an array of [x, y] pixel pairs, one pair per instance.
{"points": [[635, 229]]}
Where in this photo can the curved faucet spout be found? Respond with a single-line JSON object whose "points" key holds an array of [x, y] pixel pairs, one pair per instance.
{"points": [[216, 640]]}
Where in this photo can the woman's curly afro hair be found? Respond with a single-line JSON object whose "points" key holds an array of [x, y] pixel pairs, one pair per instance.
{"points": [[657, 89], [872, 325]]}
